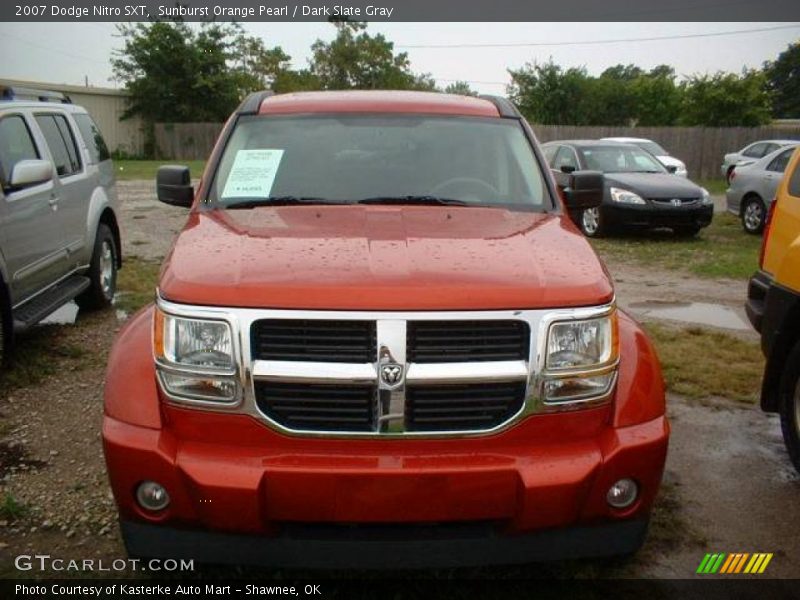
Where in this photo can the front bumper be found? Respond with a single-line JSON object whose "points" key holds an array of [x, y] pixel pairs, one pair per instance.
{"points": [[520, 499], [384, 547], [657, 216]]}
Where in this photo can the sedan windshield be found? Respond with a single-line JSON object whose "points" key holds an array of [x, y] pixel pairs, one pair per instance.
{"points": [[620, 159], [402, 159], [652, 148]]}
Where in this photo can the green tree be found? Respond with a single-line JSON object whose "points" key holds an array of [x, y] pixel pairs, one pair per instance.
{"points": [[783, 80], [657, 98], [357, 60], [547, 94], [726, 100], [460, 88], [174, 73]]}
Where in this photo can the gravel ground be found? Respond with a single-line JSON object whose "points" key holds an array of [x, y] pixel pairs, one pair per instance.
{"points": [[729, 486]]}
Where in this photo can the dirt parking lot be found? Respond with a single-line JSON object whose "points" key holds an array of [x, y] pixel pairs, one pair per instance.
{"points": [[729, 486]]}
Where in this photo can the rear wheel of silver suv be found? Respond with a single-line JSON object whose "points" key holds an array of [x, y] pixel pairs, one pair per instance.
{"points": [[102, 272]]}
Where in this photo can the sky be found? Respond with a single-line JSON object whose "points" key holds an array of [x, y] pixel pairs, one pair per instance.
{"points": [[74, 53]]}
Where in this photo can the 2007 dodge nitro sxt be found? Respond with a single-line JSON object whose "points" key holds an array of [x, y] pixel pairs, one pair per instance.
{"points": [[380, 341]]}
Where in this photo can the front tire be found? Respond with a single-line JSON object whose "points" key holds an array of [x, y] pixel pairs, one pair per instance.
{"points": [[789, 406], [592, 222], [102, 272]]}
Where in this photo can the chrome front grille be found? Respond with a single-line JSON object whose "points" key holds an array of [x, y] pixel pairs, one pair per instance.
{"points": [[315, 375], [675, 202]]}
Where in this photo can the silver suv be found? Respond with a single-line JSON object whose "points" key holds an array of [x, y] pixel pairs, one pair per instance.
{"points": [[59, 233]]}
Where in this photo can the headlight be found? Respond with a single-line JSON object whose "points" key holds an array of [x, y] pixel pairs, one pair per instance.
{"points": [[706, 197], [625, 197], [195, 358], [581, 359]]}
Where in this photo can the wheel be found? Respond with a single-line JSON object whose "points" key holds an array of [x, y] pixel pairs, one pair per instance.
{"points": [[592, 223], [789, 406], [753, 215], [102, 272], [686, 230]]}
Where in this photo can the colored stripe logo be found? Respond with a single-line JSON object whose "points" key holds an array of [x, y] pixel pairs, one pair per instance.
{"points": [[734, 563]]}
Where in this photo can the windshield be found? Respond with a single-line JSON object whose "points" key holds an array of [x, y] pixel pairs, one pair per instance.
{"points": [[652, 148], [397, 159], [620, 159]]}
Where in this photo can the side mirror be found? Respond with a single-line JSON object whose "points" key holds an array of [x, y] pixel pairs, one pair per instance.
{"points": [[31, 172], [672, 169], [568, 169], [585, 190], [174, 185]]}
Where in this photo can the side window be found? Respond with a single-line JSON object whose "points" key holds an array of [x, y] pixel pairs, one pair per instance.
{"points": [[755, 151], [61, 142], [16, 144], [90, 132], [549, 154], [794, 182], [565, 158], [778, 164], [770, 149]]}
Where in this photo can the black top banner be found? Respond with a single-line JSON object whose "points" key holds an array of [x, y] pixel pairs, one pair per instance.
{"points": [[403, 10]]}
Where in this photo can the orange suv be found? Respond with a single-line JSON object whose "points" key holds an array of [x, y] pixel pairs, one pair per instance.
{"points": [[380, 340]]}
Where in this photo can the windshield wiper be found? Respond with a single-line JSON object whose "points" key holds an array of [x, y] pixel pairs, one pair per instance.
{"points": [[281, 201], [425, 200]]}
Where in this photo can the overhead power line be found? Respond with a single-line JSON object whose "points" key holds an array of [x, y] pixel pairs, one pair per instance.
{"points": [[595, 42]]}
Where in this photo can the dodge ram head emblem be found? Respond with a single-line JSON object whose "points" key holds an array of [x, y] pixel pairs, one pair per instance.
{"points": [[391, 374]]}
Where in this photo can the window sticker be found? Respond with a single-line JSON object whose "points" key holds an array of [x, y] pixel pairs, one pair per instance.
{"points": [[252, 174]]}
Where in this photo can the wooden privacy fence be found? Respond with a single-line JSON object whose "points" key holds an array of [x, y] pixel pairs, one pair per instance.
{"points": [[185, 141], [701, 148]]}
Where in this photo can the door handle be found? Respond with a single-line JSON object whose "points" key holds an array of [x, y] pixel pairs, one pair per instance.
{"points": [[53, 202]]}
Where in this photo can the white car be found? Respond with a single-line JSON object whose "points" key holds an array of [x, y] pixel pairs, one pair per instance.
{"points": [[653, 148], [750, 154]]}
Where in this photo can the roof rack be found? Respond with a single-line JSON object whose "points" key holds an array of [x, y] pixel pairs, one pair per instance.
{"points": [[23, 93]]}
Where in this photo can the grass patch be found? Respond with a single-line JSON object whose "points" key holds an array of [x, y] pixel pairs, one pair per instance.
{"points": [[700, 363], [37, 355], [715, 187], [48, 349], [146, 169], [136, 284], [11, 509], [721, 250]]}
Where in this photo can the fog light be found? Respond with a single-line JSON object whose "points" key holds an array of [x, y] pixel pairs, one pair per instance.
{"points": [[152, 496], [623, 493]]}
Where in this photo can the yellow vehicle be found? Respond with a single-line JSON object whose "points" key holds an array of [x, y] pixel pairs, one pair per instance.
{"points": [[773, 306]]}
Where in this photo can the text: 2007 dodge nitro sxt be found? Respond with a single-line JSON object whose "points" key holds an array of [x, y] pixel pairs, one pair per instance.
{"points": [[380, 341]]}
